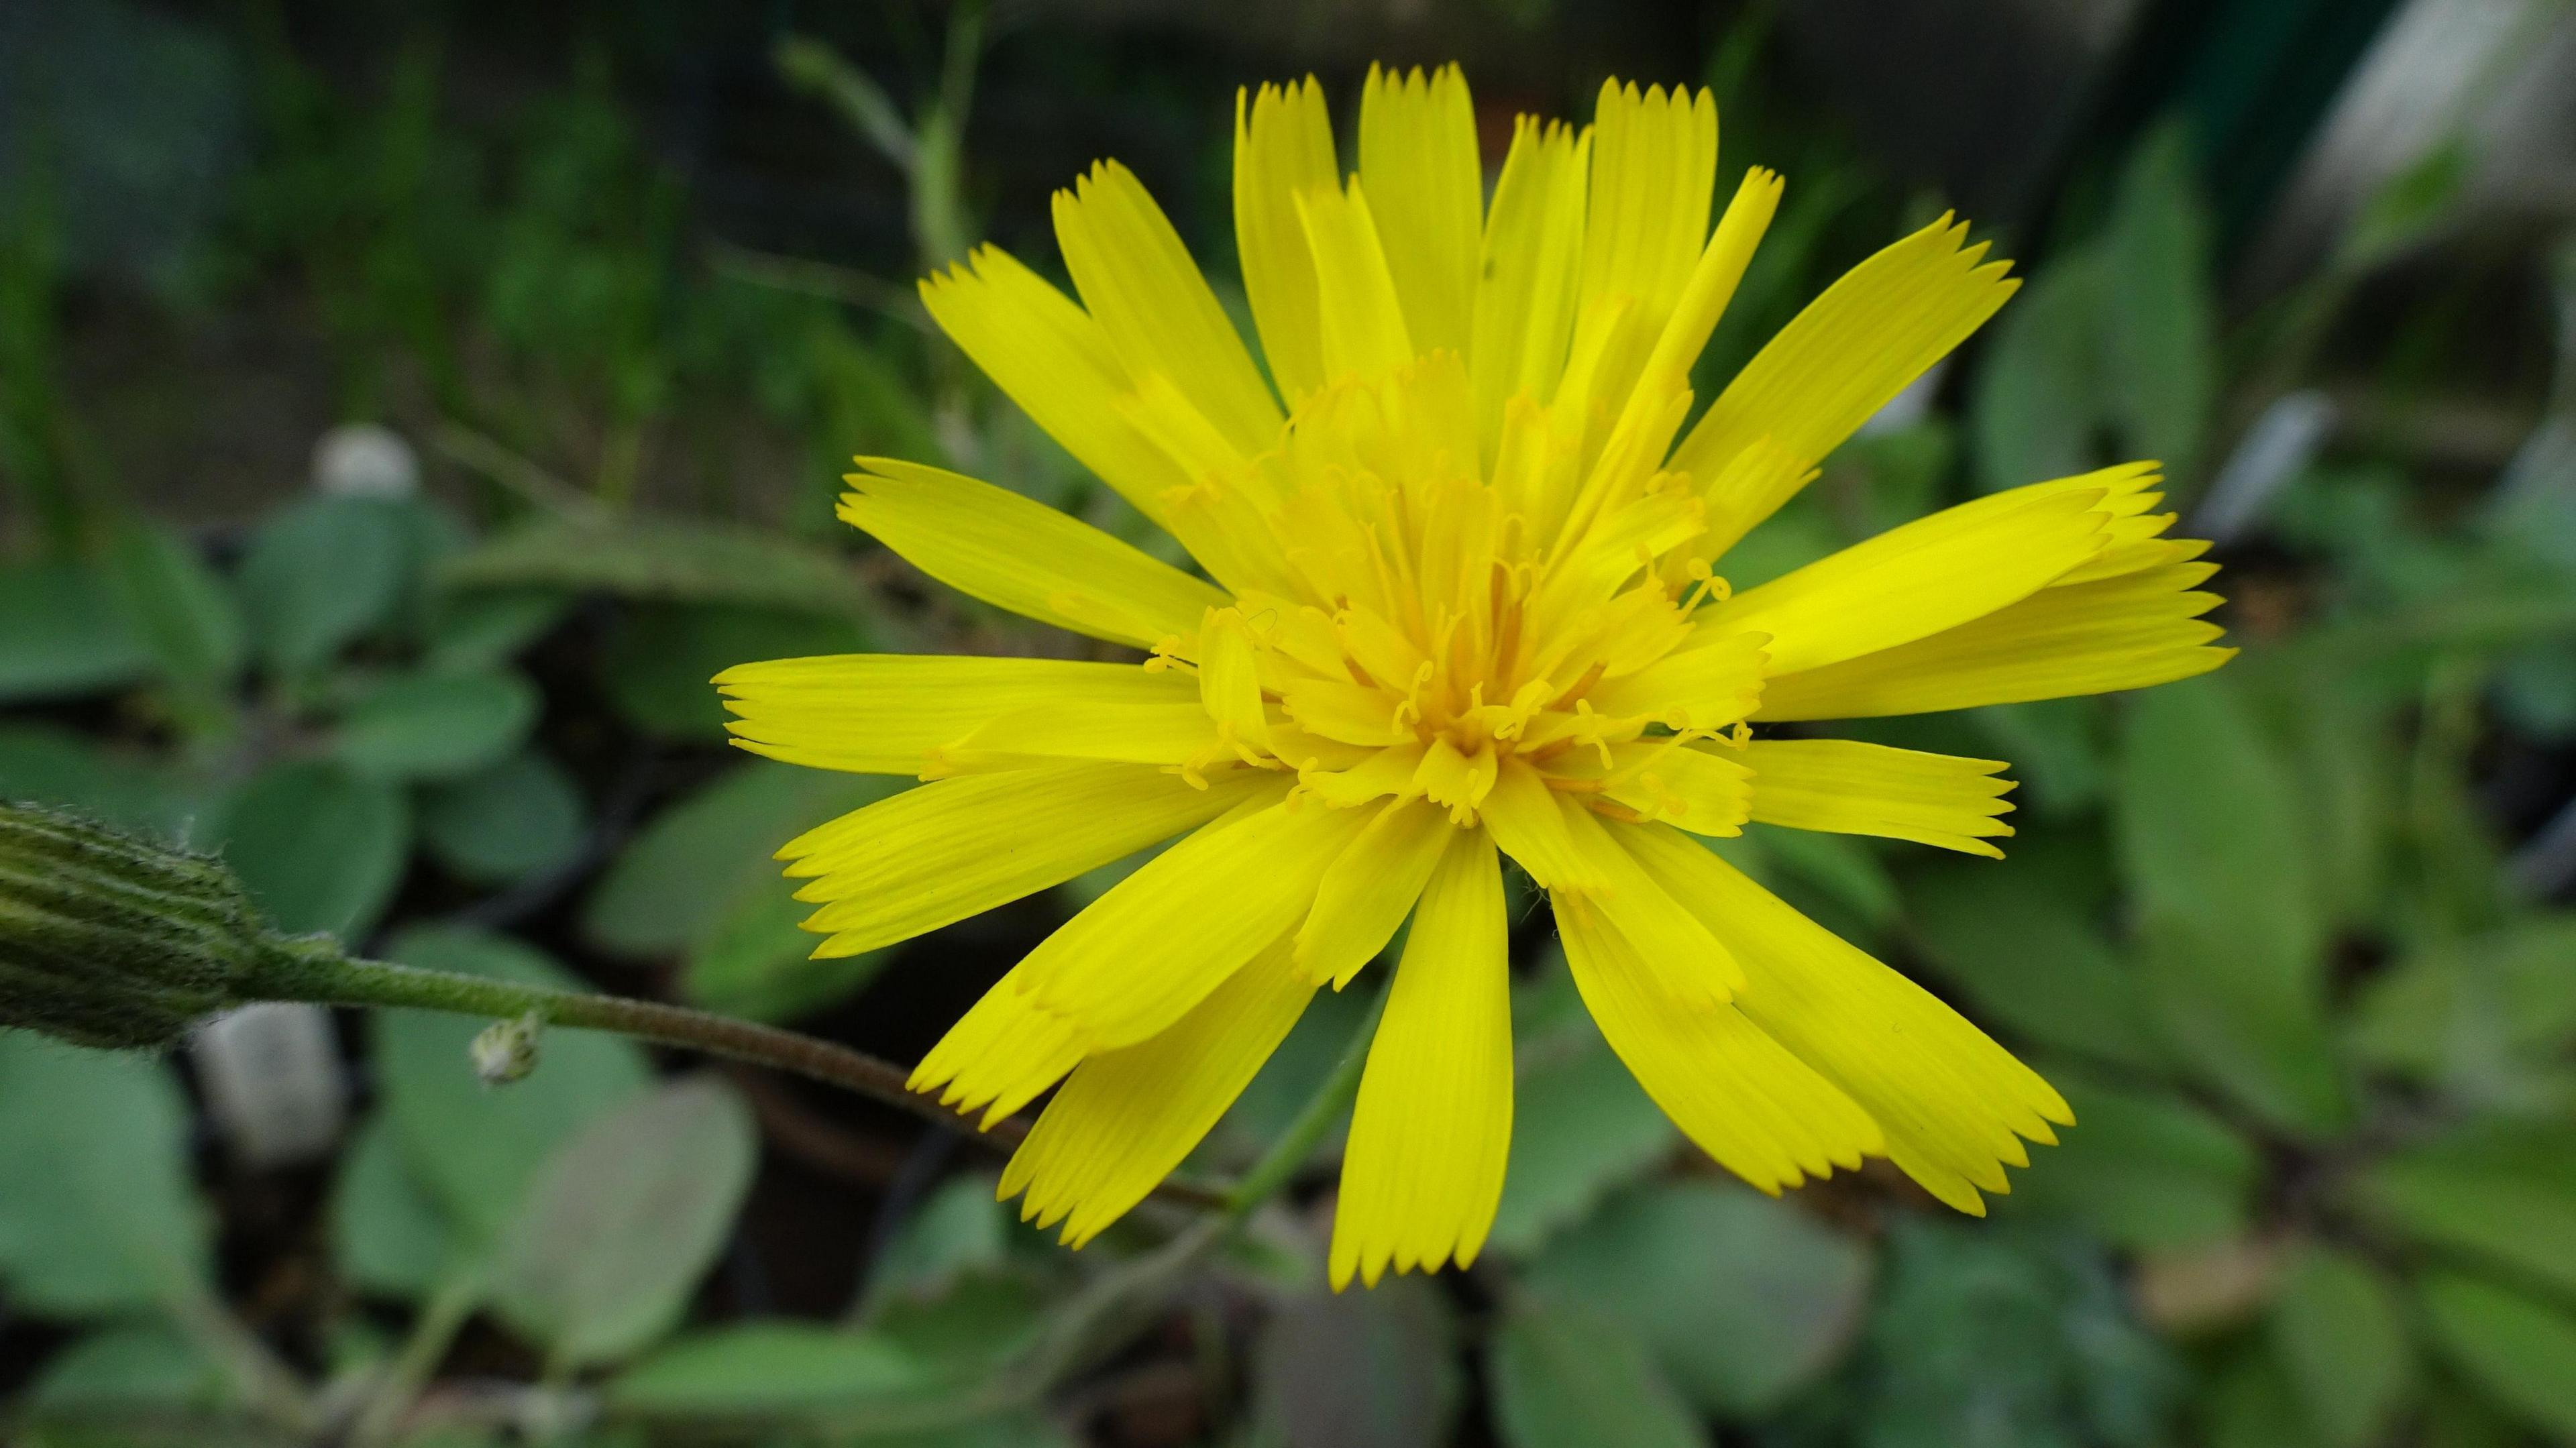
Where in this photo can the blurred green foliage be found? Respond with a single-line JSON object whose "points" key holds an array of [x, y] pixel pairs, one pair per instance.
{"points": [[2316, 1013]]}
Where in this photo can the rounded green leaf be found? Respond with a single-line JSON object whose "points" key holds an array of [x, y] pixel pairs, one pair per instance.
{"points": [[321, 574], [474, 1148], [623, 1221], [1743, 1299], [321, 849], [670, 887], [2210, 837], [437, 726], [2340, 1332], [658, 662], [97, 1212], [386, 1229], [506, 822], [181, 609], [1561, 1374], [1362, 1369], [61, 634], [2520, 1350], [766, 1367]]}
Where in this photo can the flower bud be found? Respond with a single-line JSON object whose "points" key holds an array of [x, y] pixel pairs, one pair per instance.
{"points": [[108, 940], [506, 1051]]}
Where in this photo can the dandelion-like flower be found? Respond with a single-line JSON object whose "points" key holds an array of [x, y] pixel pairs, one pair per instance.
{"points": [[1462, 601]]}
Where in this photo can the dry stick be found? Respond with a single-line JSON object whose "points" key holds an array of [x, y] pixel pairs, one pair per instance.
{"points": [[316, 970]]}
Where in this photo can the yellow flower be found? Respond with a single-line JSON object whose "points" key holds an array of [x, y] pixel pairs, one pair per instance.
{"points": [[1460, 603]]}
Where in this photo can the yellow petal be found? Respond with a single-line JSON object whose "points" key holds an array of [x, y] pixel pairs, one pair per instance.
{"points": [[1131, 731], [1920, 578], [1426, 188], [1155, 307], [1709, 683], [1849, 787], [1851, 350], [1364, 895], [937, 854], [1693, 966], [1001, 1055], [885, 713], [1363, 322], [1433, 1125], [1526, 288], [1052, 359], [1523, 815], [1738, 1094], [1019, 554], [1127, 1117], [1230, 680], [1339, 709], [1704, 790], [2124, 632], [1161, 939], [1390, 770], [1713, 278], [1283, 144], [1654, 162], [1950, 1101]]}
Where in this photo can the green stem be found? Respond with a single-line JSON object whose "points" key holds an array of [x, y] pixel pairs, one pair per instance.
{"points": [[449, 1308], [316, 970], [1289, 1152]]}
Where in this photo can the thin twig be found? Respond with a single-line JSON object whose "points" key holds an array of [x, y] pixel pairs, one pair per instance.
{"points": [[515, 471]]}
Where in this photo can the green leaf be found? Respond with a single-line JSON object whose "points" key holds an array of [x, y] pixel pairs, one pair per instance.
{"points": [[2039, 396], [2339, 1330], [1744, 1300], [2210, 837], [184, 613], [657, 664], [2027, 952], [97, 1214], [1563, 1375], [2058, 751], [2475, 1013], [482, 630], [436, 726], [1373, 1369], [669, 888], [2521, 1351], [961, 1230], [1840, 868], [2141, 1169], [318, 847], [61, 634], [387, 1232], [1581, 1128], [2160, 355], [677, 560], [1991, 1338], [322, 574], [48, 765], [2251, 1404], [2505, 1192], [623, 1221], [475, 1148], [752, 959], [509, 821], [125, 1369], [766, 1368]]}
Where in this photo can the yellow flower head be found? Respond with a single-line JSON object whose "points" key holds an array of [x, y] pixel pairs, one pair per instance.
{"points": [[1463, 600]]}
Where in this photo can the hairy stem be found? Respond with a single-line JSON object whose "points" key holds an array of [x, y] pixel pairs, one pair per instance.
{"points": [[316, 970]]}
